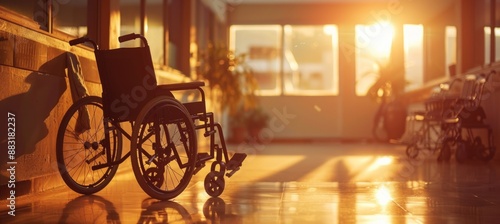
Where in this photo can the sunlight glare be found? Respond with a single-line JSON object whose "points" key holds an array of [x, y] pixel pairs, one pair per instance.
{"points": [[414, 55], [380, 162], [382, 40], [383, 195], [413, 34], [384, 161], [330, 30]]}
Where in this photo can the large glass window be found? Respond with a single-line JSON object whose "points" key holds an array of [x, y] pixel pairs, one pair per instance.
{"points": [[451, 49], [130, 21], [262, 44], [130, 13], [154, 31], [491, 18], [310, 60], [413, 55], [70, 17], [290, 59], [174, 32], [67, 16], [372, 51], [487, 44], [27, 8]]}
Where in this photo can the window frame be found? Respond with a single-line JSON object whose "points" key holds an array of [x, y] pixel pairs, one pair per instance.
{"points": [[30, 23], [281, 77]]}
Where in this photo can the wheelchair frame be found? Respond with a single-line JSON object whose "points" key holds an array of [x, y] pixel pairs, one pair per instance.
{"points": [[448, 116], [163, 149], [468, 116], [431, 132]]}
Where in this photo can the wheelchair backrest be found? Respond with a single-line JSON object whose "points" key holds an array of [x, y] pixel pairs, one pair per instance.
{"points": [[472, 90], [128, 81]]}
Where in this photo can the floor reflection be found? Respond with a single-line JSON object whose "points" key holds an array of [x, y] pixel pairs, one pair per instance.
{"points": [[89, 209], [96, 209], [154, 211], [354, 183], [214, 211]]}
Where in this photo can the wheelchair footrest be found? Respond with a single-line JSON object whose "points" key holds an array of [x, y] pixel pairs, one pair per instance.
{"points": [[235, 163], [200, 161]]}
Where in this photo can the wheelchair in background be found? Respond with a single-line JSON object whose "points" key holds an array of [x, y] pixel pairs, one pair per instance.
{"points": [[164, 151], [453, 123]]}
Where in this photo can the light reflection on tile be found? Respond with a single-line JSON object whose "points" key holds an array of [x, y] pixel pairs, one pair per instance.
{"points": [[353, 184]]}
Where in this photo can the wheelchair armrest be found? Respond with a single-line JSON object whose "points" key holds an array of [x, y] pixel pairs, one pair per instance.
{"points": [[193, 108], [182, 86]]}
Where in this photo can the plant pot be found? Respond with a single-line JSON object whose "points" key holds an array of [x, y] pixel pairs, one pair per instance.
{"points": [[238, 134], [253, 133], [395, 120]]}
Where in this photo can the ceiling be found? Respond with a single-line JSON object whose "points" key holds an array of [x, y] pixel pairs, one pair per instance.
{"points": [[299, 1], [423, 9]]}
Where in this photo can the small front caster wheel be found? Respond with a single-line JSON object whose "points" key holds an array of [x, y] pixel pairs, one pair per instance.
{"points": [[214, 209], [214, 183]]}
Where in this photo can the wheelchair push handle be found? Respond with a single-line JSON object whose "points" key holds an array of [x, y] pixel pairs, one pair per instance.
{"points": [[132, 36], [83, 40]]}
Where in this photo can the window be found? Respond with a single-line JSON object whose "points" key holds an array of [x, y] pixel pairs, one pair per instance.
{"points": [[450, 48], [491, 17], [70, 17], [174, 33], [153, 30], [67, 16], [310, 59], [487, 44], [290, 59], [35, 10], [373, 48], [262, 44], [161, 24], [130, 21], [413, 55], [204, 26]]}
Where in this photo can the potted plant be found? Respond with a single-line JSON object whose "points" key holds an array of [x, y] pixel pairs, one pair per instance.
{"points": [[238, 126], [229, 76], [232, 84], [390, 118], [256, 120]]}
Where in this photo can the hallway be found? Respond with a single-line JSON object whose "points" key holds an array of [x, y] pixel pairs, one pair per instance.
{"points": [[320, 182]]}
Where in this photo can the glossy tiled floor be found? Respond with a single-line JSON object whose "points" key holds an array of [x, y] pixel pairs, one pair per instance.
{"points": [[296, 183]]}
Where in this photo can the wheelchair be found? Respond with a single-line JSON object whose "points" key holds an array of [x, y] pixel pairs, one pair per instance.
{"points": [[163, 139], [454, 124], [431, 130], [470, 137]]}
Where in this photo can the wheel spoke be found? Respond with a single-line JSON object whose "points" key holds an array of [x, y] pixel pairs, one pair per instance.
{"points": [[160, 138], [78, 152]]}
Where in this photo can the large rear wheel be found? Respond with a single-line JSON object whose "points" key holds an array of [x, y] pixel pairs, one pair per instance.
{"points": [[163, 148], [81, 144]]}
